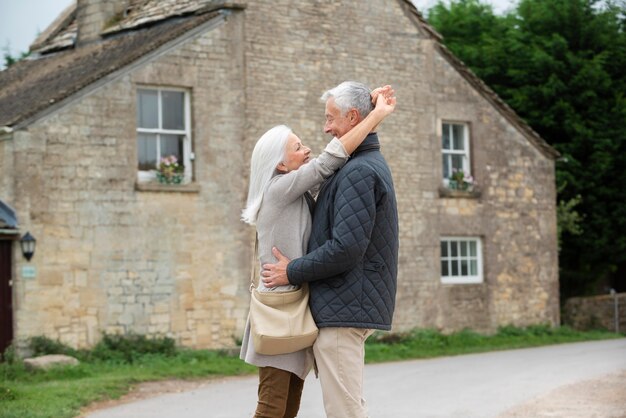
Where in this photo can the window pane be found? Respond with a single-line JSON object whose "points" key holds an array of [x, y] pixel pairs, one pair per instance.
{"points": [[463, 267], [446, 166], [472, 246], [172, 145], [445, 136], [444, 267], [444, 248], [146, 152], [453, 251], [457, 136], [455, 268], [457, 162], [473, 267], [463, 248], [147, 109], [173, 108]]}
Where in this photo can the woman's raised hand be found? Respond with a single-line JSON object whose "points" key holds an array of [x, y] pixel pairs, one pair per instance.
{"points": [[386, 104], [385, 99], [386, 91]]}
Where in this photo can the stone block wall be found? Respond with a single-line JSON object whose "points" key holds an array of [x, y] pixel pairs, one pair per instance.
{"points": [[112, 258], [595, 312]]}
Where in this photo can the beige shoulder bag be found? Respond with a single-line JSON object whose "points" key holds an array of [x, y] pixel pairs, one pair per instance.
{"points": [[280, 322]]}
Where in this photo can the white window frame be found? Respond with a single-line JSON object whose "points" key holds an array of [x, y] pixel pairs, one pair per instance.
{"points": [[188, 157], [448, 153], [461, 279]]}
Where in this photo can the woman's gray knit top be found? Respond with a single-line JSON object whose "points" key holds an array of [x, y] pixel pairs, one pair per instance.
{"points": [[284, 222]]}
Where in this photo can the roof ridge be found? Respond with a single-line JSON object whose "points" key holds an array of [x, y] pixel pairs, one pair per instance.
{"points": [[423, 23], [62, 22], [141, 17], [62, 33]]}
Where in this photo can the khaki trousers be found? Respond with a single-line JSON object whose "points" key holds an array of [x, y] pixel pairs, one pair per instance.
{"points": [[279, 393], [340, 358]]}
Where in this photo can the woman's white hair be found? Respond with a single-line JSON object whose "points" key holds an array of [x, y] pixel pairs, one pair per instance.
{"points": [[268, 152], [349, 95]]}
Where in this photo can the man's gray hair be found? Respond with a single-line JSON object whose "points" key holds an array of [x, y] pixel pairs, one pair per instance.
{"points": [[349, 95]]}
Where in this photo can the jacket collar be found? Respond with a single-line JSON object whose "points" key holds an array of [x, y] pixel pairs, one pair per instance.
{"points": [[370, 143]]}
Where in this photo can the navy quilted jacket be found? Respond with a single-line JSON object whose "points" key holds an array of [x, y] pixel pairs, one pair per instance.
{"points": [[352, 262]]}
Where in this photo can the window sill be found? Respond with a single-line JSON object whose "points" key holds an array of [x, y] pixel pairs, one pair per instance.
{"points": [[457, 282], [158, 187], [475, 193]]}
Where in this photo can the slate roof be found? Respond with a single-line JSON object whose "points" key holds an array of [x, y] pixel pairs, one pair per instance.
{"points": [[138, 13], [142, 12], [60, 34], [30, 86]]}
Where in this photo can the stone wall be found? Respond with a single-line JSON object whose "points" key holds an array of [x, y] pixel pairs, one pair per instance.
{"points": [[116, 259], [6, 168], [595, 312]]}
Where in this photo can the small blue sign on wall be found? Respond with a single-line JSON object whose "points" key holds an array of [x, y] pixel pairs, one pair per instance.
{"points": [[29, 272]]}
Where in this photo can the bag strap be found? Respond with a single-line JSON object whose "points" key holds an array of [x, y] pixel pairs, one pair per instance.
{"points": [[255, 254]]}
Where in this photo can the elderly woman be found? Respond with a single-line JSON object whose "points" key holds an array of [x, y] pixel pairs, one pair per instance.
{"points": [[280, 204]]}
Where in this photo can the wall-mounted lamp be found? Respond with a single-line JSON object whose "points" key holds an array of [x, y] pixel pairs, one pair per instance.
{"points": [[27, 242]]}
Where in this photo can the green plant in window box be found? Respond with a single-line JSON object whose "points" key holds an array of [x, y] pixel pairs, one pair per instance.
{"points": [[461, 180], [170, 171]]}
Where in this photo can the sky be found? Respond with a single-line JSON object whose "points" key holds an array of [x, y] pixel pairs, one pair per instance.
{"points": [[22, 20]]}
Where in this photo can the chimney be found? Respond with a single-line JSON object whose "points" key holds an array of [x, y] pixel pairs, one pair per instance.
{"points": [[94, 15]]}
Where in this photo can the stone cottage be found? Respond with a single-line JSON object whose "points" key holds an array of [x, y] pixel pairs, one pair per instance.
{"points": [[111, 87]]}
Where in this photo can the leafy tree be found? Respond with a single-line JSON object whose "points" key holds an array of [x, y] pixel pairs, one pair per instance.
{"points": [[569, 220], [560, 65]]}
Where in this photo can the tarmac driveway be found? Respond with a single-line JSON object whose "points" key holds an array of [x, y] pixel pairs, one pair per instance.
{"points": [[568, 381]]}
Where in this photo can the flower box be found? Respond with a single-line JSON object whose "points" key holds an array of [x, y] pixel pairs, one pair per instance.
{"points": [[173, 178], [463, 185]]}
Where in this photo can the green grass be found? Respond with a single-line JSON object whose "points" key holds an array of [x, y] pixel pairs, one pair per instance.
{"points": [[427, 343], [62, 391], [117, 363]]}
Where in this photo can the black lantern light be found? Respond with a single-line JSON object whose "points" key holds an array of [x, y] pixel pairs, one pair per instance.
{"points": [[28, 245]]}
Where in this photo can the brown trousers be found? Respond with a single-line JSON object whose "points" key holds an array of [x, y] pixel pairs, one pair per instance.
{"points": [[279, 393]]}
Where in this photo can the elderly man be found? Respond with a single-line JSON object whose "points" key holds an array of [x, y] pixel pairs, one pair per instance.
{"points": [[352, 262]]}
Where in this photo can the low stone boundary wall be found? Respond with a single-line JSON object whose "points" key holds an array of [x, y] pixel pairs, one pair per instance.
{"points": [[595, 312]]}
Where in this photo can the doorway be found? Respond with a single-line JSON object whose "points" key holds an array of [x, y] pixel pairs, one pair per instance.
{"points": [[6, 296]]}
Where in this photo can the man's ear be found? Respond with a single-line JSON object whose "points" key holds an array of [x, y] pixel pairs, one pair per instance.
{"points": [[354, 117]]}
